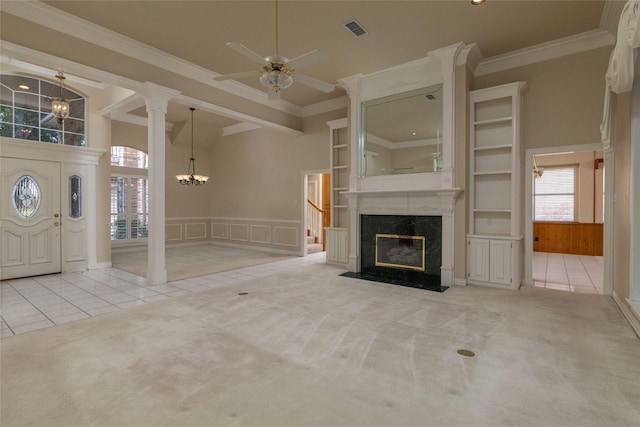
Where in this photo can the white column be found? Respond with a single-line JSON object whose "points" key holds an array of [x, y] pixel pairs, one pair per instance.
{"points": [[156, 99]]}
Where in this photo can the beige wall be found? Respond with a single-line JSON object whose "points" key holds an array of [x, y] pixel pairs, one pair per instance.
{"points": [[259, 174], [564, 98]]}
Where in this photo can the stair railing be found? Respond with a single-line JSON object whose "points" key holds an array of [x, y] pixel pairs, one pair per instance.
{"points": [[314, 220]]}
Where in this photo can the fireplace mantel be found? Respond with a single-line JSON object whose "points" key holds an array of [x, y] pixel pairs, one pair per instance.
{"points": [[425, 202]]}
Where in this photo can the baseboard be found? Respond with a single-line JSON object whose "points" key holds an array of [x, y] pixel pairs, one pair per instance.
{"points": [[628, 313], [459, 282], [101, 265]]}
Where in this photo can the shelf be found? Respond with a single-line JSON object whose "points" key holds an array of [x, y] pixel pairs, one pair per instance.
{"points": [[341, 167], [494, 147], [505, 172], [341, 189], [340, 206], [492, 210], [493, 121], [340, 146]]}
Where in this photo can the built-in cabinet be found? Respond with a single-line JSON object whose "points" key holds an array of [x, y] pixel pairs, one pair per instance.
{"points": [[337, 233], [495, 223]]}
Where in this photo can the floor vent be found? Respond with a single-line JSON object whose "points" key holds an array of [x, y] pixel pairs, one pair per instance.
{"points": [[355, 28]]}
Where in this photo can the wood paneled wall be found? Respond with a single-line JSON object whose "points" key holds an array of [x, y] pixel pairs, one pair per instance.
{"points": [[568, 238]]}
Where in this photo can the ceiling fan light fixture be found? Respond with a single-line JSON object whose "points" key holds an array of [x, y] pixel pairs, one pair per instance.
{"points": [[276, 80]]}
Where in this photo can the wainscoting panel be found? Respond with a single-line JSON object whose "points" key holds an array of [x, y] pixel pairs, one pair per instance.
{"points": [[286, 236], [239, 232], [219, 230], [196, 231], [280, 236], [568, 238], [260, 234], [173, 232]]}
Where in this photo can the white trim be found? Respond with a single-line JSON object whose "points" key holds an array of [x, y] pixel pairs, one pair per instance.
{"points": [[611, 16], [239, 128], [542, 52], [629, 313], [236, 219], [325, 106], [528, 208], [101, 265], [58, 20], [192, 224]]}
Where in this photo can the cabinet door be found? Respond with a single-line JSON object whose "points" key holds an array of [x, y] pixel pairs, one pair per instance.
{"points": [[337, 248], [479, 260], [500, 257]]}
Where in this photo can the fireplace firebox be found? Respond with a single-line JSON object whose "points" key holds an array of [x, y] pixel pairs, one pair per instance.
{"points": [[401, 249], [397, 251]]}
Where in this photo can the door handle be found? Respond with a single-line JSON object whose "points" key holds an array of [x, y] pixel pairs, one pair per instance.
{"points": [[56, 215], [56, 224]]}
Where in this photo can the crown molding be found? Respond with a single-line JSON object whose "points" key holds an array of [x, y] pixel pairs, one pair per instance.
{"points": [[58, 20], [239, 128], [325, 106], [542, 52]]}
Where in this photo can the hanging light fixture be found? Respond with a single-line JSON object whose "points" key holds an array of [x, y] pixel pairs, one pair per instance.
{"points": [[60, 104], [190, 178], [276, 74]]}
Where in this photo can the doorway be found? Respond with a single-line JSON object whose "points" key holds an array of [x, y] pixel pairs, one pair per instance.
{"points": [[317, 211], [31, 223], [564, 219]]}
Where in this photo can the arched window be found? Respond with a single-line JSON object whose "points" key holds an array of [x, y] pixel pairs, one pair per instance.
{"points": [[25, 112], [129, 194]]}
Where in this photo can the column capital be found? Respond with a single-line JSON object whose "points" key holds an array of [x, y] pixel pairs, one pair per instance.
{"points": [[156, 97]]}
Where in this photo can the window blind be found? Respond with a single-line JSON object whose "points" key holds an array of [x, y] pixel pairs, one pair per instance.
{"points": [[554, 195]]}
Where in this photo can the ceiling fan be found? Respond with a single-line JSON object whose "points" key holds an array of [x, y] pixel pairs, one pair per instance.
{"points": [[278, 72]]}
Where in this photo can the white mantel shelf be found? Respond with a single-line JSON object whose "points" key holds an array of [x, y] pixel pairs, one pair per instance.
{"points": [[452, 192]]}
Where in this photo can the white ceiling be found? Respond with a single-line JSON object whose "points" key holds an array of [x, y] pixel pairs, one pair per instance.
{"points": [[398, 32]]}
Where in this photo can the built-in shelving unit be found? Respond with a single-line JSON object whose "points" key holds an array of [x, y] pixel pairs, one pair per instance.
{"points": [[495, 231], [337, 233]]}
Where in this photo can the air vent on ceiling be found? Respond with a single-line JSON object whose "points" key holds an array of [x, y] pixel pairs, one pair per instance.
{"points": [[355, 28]]}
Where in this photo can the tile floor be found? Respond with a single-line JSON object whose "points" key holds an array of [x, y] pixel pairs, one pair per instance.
{"points": [[43, 301], [573, 273]]}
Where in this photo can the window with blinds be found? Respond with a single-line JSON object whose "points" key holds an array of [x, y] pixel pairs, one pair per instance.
{"points": [[129, 195], [554, 195]]}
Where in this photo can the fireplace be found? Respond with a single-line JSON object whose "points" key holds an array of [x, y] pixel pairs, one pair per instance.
{"points": [[398, 251], [402, 250]]}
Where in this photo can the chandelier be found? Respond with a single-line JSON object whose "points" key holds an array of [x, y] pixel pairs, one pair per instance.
{"points": [[190, 178], [60, 104]]}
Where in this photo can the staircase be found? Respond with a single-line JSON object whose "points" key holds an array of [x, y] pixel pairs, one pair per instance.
{"points": [[312, 244]]}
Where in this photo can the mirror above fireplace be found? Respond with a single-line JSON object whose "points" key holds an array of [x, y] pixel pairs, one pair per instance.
{"points": [[402, 133]]}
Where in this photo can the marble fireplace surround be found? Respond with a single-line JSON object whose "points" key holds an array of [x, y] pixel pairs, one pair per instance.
{"points": [[437, 202]]}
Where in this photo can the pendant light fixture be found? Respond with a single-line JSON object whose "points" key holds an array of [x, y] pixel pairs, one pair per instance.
{"points": [[60, 104], [190, 178]]}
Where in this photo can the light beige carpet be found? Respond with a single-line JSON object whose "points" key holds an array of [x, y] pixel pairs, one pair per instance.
{"points": [[310, 348], [183, 262]]}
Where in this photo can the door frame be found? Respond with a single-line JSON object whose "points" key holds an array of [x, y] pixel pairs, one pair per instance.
{"points": [[82, 161], [528, 211], [303, 205]]}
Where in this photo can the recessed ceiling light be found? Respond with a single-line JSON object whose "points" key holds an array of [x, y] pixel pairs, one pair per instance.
{"points": [[414, 133], [24, 87], [477, 2]]}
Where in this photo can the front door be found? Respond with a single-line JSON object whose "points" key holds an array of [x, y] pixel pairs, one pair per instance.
{"points": [[29, 218]]}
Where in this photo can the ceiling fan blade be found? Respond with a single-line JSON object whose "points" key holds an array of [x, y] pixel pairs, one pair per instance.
{"points": [[236, 75], [242, 49], [307, 58], [314, 83]]}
